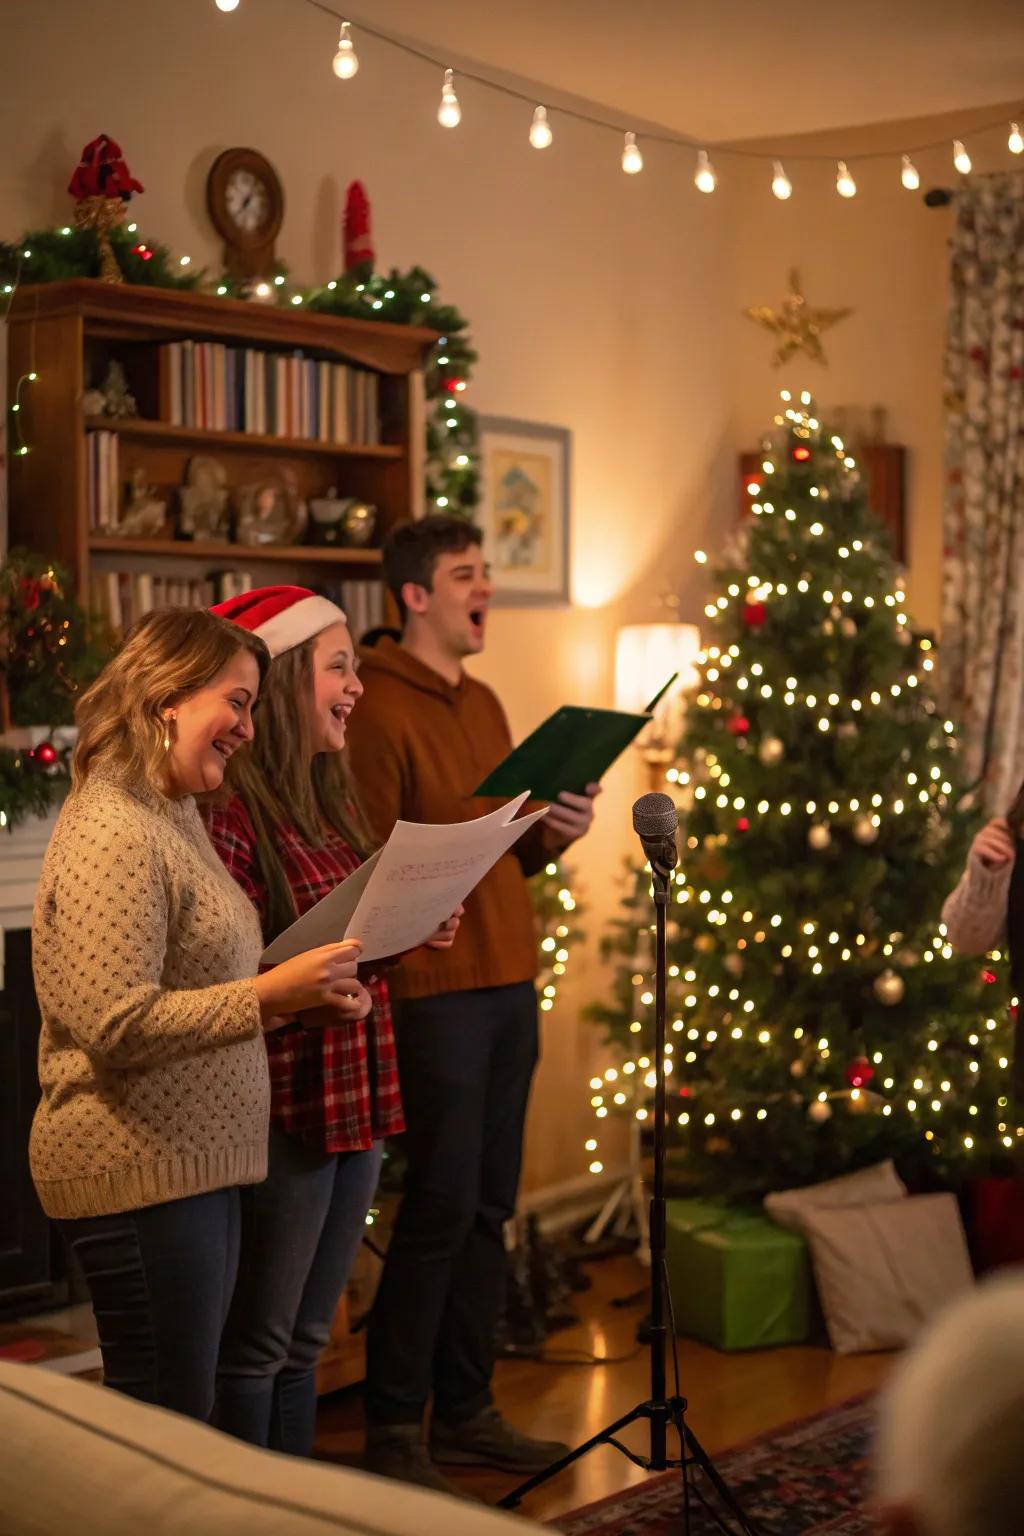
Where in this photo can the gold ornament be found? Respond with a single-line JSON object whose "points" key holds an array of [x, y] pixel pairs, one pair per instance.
{"points": [[704, 943], [796, 325], [865, 831], [889, 988], [820, 1111], [797, 1068], [849, 627], [102, 214], [819, 836], [734, 965], [771, 751]]}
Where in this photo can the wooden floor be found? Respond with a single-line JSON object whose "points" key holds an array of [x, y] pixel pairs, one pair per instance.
{"points": [[732, 1396]]}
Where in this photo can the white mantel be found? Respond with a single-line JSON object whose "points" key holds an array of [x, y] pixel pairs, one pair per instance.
{"points": [[21, 857]]}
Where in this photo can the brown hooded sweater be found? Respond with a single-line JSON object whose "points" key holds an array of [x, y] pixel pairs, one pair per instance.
{"points": [[419, 746]]}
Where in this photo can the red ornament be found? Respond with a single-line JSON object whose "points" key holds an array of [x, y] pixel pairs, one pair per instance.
{"points": [[988, 976], [357, 240], [801, 454], [45, 754], [30, 587], [860, 1072], [101, 172], [739, 725], [754, 615], [143, 251], [743, 825]]}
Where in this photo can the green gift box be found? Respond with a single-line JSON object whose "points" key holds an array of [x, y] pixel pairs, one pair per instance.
{"points": [[737, 1280]]}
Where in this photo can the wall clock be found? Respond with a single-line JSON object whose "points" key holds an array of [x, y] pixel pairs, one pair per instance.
{"points": [[246, 204]]}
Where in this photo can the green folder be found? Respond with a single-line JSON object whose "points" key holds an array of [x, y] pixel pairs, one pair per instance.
{"points": [[573, 748]]}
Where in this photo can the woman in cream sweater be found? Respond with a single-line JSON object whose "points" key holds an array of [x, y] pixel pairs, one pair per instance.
{"points": [[152, 1064]]}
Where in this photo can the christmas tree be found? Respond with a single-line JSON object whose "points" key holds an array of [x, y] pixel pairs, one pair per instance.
{"points": [[818, 1020]]}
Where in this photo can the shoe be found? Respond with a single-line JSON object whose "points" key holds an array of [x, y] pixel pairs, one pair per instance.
{"points": [[398, 1451], [488, 1440]]}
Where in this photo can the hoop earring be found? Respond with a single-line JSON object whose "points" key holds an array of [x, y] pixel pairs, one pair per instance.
{"points": [[167, 729]]}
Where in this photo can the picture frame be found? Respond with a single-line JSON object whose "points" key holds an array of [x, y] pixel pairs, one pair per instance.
{"points": [[524, 511]]}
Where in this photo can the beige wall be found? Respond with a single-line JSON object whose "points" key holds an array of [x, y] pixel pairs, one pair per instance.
{"points": [[603, 303]]}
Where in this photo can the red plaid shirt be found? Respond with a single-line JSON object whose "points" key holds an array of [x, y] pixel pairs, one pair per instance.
{"points": [[335, 1088]]}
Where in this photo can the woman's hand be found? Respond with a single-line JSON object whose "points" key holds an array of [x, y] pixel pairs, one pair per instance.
{"points": [[444, 938], [995, 844], [356, 1005], [319, 978]]}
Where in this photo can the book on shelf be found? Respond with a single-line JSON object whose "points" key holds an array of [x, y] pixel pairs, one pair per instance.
{"points": [[236, 389], [104, 482], [120, 598]]}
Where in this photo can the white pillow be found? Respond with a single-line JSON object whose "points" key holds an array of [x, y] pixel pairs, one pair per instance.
{"points": [[868, 1186], [884, 1270], [78, 1458]]}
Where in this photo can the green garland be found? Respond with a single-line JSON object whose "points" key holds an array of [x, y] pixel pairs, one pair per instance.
{"points": [[59, 255], [29, 784], [47, 657]]}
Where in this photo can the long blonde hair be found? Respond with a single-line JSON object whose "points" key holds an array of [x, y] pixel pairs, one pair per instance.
{"points": [[167, 655], [281, 781]]}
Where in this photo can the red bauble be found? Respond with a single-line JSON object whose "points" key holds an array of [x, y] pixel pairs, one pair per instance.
{"points": [[988, 976], [143, 251], [743, 825], [739, 725], [754, 615], [801, 454], [860, 1072]]}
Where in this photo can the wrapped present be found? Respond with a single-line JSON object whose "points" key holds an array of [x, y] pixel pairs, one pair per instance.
{"points": [[737, 1279]]}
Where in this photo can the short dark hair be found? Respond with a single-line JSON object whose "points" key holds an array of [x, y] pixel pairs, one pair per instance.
{"points": [[411, 551]]}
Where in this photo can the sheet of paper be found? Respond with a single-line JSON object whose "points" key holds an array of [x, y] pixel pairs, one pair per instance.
{"points": [[406, 891]]}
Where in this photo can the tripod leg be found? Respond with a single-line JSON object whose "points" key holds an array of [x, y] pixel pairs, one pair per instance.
{"points": [[603, 1437], [693, 1449]]}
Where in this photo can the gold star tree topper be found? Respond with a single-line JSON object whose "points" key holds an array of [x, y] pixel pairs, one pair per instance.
{"points": [[796, 325]]}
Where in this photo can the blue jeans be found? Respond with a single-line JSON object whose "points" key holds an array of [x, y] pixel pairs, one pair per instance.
{"points": [[161, 1280], [301, 1231]]}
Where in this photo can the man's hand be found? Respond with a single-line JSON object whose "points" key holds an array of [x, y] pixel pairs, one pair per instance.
{"points": [[444, 938], [571, 816]]}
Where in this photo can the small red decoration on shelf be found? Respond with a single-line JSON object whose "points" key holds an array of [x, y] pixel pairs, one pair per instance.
{"points": [[102, 172], [357, 239]]}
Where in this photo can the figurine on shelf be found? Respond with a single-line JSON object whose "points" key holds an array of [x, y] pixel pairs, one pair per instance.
{"points": [[271, 511], [341, 521], [145, 515], [204, 500], [113, 398]]}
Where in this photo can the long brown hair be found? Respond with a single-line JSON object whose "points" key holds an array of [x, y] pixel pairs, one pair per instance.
{"points": [[167, 655], [280, 780]]}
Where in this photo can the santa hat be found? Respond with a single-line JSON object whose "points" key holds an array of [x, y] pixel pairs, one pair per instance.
{"points": [[283, 617]]}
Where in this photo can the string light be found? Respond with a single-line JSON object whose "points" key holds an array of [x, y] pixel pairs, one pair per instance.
{"points": [[909, 174], [1015, 143], [449, 113], [845, 184], [540, 129], [632, 159], [781, 184], [704, 178], [345, 63], [21, 448], [961, 159], [227, 5]]}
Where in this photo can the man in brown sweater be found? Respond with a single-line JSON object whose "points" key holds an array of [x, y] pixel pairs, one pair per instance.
{"points": [[424, 736]]}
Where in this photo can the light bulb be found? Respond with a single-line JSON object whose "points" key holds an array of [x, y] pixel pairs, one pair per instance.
{"points": [[845, 184], [227, 5], [961, 159], [704, 178], [909, 175], [540, 129], [1015, 143], [449, 113], [632, 159], [346, 63], [781, 184]]}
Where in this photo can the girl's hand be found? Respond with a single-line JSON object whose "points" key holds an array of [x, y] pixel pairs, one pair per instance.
{"points": [[444, 938], [356, 1005], [318, 978], [995, 844]]}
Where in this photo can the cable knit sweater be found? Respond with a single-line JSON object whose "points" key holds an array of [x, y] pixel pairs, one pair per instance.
{"points": [[151, 1057], [974, 912]]}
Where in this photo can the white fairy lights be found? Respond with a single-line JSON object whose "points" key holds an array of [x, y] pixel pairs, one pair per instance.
{"points": [[345, 63], [449, 113], [845, 184], [632, 159], [781, 184], [541, 134], [1015, 143], [909, 174], [704, 178], [961, 159]]}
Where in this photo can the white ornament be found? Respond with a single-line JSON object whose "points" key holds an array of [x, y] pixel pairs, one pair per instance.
{"points": [[865, 831], [820, 1111], [889, 988], [819, 836], [771, 751]]}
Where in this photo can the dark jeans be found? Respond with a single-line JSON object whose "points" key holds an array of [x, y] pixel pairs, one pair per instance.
{"points": [[301, 1231], [466, 1060], [161, 1280]]}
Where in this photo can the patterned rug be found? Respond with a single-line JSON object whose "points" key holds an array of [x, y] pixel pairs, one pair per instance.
{"points": [[807, 1479]]}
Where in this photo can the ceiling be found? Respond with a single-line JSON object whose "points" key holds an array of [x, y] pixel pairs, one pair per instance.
{"points": [[735, 69]]}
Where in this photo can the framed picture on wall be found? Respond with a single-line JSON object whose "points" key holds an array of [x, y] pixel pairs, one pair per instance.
{"points": [[524, 509]]}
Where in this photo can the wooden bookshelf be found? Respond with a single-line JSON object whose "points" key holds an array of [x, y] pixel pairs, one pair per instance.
{"points": [[68, 333]]}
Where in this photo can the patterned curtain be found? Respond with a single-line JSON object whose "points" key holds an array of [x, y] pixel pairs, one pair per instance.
{"points": [[983, 579]]}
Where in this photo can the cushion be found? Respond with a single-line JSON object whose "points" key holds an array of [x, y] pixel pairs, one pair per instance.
{"points": [[884, 1270], [868, 1186], [79, 1458]]}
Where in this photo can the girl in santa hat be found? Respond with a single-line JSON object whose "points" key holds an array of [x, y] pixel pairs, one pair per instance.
{"points": [[289, 833]]}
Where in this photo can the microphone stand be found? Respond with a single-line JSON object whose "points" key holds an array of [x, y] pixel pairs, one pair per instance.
{"points": [[659, 1410]]}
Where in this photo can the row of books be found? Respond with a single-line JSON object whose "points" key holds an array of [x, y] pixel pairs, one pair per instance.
{"points": [[120, 598], [104, 481], [236, 389]]}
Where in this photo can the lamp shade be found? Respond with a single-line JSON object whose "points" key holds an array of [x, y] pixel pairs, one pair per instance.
{"points": [[646, 655]]}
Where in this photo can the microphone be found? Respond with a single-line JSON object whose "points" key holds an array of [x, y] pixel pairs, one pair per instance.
{"points": [[655, 821]]}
